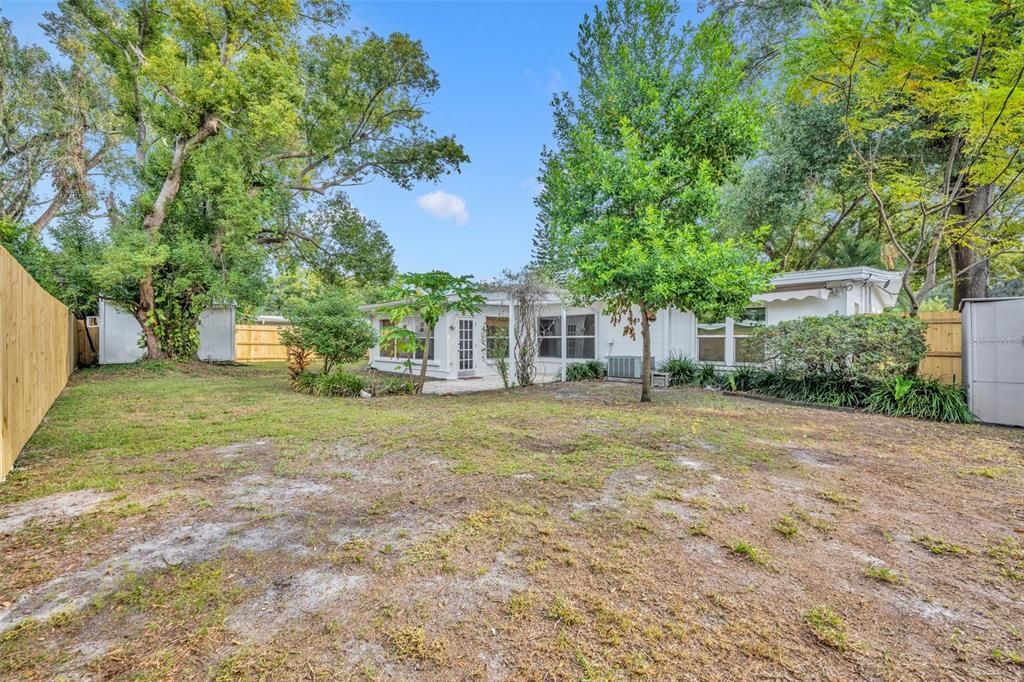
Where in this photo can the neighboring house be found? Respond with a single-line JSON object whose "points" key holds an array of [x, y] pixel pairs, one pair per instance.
{"points": [[120, 334], [468, 345]]}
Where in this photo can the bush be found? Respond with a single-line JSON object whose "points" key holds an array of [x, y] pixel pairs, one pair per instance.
{"points": [[681, 370], [925, 398], [585, 371], [875, 347], [337, 383], [392, 386], [835, 389], [332, 327], [707, 375]]}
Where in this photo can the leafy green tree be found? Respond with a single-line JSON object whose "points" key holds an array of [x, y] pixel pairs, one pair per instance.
{"points": [[429, 296], [70, 265], [658, 125], [930, 102], [332, 327], [238, 112], [56, 133]]}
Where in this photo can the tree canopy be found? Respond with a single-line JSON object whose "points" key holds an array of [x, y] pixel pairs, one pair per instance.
{"points": [[658, 125], [232, 128]]}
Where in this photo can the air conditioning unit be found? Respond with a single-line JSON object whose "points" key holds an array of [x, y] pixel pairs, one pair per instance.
{"points": [[627, 366]]}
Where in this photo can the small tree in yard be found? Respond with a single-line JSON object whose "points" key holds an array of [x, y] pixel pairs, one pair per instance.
{"points": [[429, 296], [332, 327], [658, 126]]}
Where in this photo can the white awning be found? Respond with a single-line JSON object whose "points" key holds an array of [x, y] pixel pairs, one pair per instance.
{"points": [[793, 295]]}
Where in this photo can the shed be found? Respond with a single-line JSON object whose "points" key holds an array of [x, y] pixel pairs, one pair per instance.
{"points": [[993, 358], [120, 334]]}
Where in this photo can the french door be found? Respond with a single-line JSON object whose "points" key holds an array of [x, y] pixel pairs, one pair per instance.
{"points": [[465, 345]]}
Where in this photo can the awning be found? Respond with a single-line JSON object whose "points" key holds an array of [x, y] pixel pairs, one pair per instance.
{"points": [[793, 295]]}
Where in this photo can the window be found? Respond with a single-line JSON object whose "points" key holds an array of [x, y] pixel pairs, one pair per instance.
{"points": [[496, 337], [579, 337], [711, 341], [550, 332], [390, 349], [422, 335], [748, 349]]}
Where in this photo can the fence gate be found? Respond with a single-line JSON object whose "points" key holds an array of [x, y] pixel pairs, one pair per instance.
{"points": [[993, 358]]}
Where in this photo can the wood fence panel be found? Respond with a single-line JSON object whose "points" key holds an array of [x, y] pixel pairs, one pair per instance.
{"points": [[36, 357], [944, 346], [259, 343], [86, 352]]}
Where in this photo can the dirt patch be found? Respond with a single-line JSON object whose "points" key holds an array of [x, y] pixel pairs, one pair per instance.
{"points": [[545, 533], [290, 598], [51, 509]]}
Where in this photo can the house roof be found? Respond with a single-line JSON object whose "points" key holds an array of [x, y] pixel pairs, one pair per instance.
{"points": [[859, 273], [802, 279]]}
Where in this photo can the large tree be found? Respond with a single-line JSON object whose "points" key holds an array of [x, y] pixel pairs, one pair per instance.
{"points": [[658, 124], [239, 111], [56, 133], [930, 100]]}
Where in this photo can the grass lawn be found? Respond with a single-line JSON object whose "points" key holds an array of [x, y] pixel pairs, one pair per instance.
{"points": [[195, 522]]}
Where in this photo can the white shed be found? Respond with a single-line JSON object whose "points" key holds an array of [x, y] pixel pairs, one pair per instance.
{"points": [[993, 358], [120, 334]]}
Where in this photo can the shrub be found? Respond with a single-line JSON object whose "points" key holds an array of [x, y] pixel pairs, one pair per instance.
{"points": [[837, 390], [707, 375], [925, 398], [681, 370], [877, 347], [393, 386], [585, 371], [745, 379], [332, 327], [337, 383]]}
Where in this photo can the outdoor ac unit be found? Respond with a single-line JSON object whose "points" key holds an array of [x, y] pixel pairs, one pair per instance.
{"points": [[626, 366]]}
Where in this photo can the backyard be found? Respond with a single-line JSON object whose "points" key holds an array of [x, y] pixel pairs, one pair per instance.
{"points": [[196, 522]]}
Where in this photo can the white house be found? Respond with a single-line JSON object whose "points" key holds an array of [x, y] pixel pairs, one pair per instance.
{"points": [[468, 345]]}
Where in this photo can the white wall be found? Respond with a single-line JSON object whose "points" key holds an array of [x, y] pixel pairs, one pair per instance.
{"points": [[120, 334], [217, 334], [781, 311]]}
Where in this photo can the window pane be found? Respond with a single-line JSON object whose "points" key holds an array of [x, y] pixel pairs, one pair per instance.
{"points": [[579, 349], [550, 326], [749, 350], [550, 348], [579, 325], [753, 315], [711, 349], [743, 329]]}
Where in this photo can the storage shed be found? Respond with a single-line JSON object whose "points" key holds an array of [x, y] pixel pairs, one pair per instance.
{"points": [[993, 358], [120, 333]]}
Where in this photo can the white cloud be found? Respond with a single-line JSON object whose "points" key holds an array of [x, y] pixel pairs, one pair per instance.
{"points": [[444, 206]]}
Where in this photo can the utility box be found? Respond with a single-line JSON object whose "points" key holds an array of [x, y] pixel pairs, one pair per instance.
{"points": [[993, 358]]}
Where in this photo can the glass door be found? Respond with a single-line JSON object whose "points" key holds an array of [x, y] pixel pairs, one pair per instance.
{"points": [[465, 345]]}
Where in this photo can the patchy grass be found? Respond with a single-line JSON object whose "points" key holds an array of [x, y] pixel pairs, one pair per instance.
{"points": [[757, 555], [787, 527], [828, 626], [881, 573], [237, 530], [940, 547]]}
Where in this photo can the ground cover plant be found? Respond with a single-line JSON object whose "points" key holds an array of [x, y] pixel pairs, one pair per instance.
{"points": [[561, 531]]}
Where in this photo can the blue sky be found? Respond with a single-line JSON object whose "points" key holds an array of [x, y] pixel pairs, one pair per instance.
{"points": [[499, 63]]}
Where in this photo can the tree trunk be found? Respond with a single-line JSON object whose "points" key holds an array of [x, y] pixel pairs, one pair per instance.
{"points": [[972, 282], [423, 365], [145, 307], [645, 333]]}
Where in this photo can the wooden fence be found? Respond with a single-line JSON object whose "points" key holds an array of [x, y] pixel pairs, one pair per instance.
{"points": [[259, 343], [944, 341], [37, 356]]}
